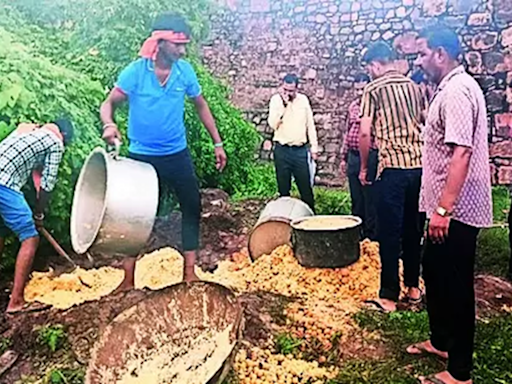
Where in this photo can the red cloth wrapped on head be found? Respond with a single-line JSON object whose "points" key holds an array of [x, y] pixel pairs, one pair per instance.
{"points": [[149, 48]]}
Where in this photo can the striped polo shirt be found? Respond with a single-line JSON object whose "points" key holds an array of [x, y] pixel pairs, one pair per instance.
{"points": [[394, 103]]}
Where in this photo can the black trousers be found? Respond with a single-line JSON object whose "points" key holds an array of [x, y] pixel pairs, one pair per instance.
{"points": [[448, 270], [363, 197], [176, 172], [293, 161], [400, 228]]}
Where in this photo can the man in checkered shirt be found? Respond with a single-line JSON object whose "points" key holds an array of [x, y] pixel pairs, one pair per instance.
{"points": [[34, 151]]}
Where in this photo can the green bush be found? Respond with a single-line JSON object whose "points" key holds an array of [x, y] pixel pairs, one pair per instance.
{"points": [[501, 203], [32, 89], [329, 201], [261, 183], [100, 37], [62, 57]]}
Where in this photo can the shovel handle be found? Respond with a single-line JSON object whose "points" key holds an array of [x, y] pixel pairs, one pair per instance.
{"points": [[55, 245]]}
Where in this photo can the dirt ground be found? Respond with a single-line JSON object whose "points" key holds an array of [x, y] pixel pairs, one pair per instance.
{"points": [[225, 229]]}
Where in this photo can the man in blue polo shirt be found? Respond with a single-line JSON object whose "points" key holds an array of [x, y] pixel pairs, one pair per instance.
{"points": [[155, 87]]}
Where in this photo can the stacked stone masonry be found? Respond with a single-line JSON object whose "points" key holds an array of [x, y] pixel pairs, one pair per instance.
{"points": [[253, 43]]}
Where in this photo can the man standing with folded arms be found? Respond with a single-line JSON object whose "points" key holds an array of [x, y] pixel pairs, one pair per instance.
{"points": [[291, 118], [155, 87], [456, 195], [392, 104]]}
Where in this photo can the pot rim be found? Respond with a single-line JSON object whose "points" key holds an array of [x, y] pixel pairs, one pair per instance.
{"points": [[357, 222], [78, 247]]}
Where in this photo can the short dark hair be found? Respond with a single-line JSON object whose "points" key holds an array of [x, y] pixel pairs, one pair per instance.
{"points": [[361, 78], [66, 128], [379, 51], [172, 22], [291, 78], [440, 36]]}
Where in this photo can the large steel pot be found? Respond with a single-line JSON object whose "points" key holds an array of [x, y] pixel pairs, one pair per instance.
{"points": [[114, 206], [333, 247], [273, 227]]}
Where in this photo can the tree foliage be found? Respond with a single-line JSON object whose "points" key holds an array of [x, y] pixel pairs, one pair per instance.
{"points": [[34, 89], [62, 56]]}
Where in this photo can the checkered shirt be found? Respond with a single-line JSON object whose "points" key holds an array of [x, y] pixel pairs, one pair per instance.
{"points": [[21, 154], [351, 142]]}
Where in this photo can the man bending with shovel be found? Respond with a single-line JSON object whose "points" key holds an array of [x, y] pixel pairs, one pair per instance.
{"points": [[155, 87], [36, 151]]}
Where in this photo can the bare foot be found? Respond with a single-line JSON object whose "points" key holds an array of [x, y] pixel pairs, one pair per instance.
{"points": [[442, 378], [34, 306], [424, 348], [189, 275], [15, 306], [414, 293]]}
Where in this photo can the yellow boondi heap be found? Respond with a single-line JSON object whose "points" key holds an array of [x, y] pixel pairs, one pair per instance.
{"points": [[278, 272], [258, 366], [155, 271], [327, 299]]}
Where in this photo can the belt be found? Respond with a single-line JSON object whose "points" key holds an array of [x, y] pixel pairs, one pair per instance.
{"points": [[289, 145]]}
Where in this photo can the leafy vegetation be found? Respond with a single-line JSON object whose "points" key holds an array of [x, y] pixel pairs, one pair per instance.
{"points": [[287, 344], [501, 203], [493, 346], [99, 40], [330, 201], [65, 376], [34, 89], [493, 248], [493, 251], [61, 57], [52, 337], [5, 344]]}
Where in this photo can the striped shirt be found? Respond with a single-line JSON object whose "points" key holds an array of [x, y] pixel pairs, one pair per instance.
{"points": [[21, 154], [394, 104]]}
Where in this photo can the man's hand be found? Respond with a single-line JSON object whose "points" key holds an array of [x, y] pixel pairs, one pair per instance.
{"points": [[363, 177], [39, 220], [284, 96], [343, 167], [110, 134], [220, 158], [314, 155], [438, 228]]}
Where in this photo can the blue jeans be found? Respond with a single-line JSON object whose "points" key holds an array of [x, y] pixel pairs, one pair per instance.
{"points": [[401, 228], [15, 215]]}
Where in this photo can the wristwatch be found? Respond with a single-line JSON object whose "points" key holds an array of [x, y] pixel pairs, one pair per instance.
{"points": [[442, 212]]}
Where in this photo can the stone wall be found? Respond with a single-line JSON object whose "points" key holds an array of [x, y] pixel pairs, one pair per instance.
{"points": [[254, 43]]}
